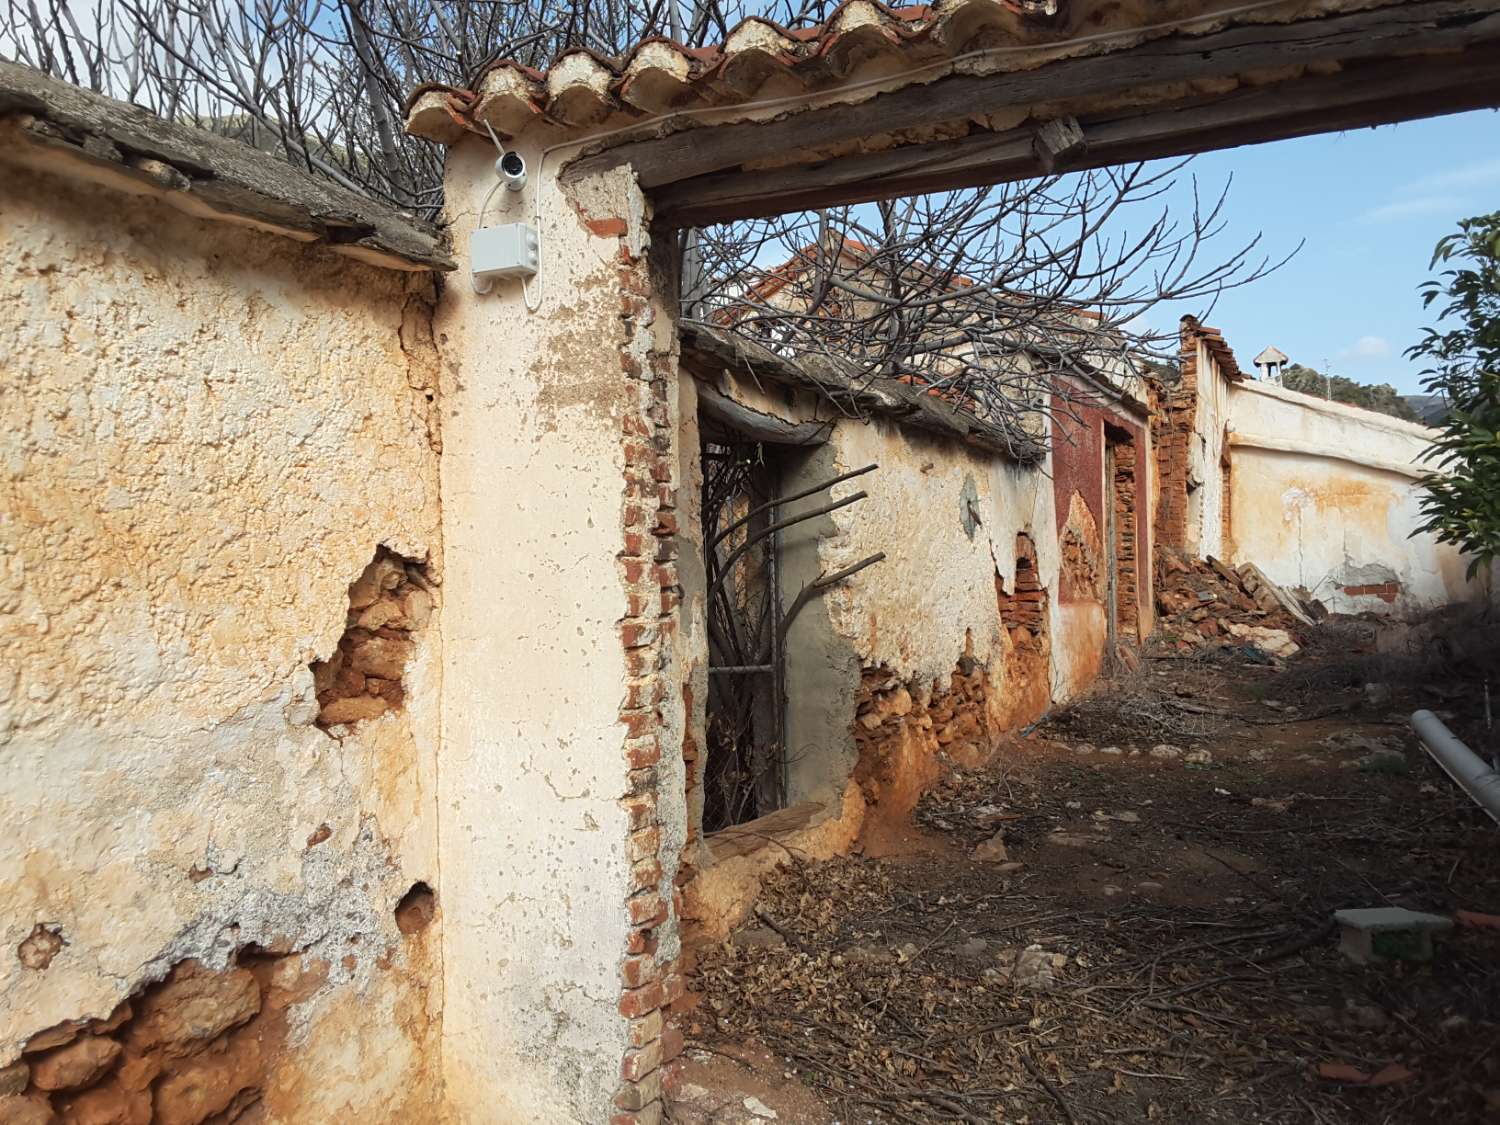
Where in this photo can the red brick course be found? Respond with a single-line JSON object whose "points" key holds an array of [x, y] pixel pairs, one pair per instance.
{"points": [[1387, 592]]}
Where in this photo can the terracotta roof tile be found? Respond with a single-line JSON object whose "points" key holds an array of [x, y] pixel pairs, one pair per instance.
{"points": [[758, 58]]}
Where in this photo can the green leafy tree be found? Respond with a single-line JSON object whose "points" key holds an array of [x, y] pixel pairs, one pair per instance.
{"points": [[1377, 396], [1462, 504]]}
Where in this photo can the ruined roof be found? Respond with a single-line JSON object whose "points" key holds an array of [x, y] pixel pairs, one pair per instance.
{"points": [[55, 126], [906, 403], [758, 58], [1217, 347]]}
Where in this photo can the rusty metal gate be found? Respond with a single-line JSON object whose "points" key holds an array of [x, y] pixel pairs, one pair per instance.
{"points": [[743, 516], [744, 776]]}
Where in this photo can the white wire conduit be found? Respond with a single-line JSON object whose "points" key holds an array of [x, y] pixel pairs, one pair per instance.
{"points": [[1460, 763]]}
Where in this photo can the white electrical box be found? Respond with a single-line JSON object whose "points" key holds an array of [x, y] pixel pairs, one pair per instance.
{"points": [[503, 251]]}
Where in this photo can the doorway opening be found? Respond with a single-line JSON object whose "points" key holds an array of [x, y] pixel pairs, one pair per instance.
{"points": [[744, 775]]}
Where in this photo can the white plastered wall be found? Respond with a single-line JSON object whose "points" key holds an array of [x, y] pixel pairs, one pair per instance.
{"points": [[919, 610], [532, 833], [1205, 526], [1326, 496], [207, 433]]}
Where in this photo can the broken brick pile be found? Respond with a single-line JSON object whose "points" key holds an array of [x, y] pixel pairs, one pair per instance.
{"points": [[390, 601], [1204, 601], [194, 1048]]}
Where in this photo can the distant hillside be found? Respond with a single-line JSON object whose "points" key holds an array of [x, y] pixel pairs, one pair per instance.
{"points": [[1431, 409], [1381, 397]]}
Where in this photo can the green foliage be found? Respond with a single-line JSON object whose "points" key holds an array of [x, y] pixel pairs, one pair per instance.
{"points": [[1379, 396], [1462, 504]]}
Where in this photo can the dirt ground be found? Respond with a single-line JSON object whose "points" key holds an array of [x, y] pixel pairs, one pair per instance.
{"points": [[1153, 941]]}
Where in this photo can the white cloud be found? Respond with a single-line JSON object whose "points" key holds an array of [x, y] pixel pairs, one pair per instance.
{"points": [[1411, 208], [1480, 174], [1368, 347]]}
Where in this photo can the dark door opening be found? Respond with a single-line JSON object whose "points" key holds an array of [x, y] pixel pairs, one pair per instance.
{"points": [[745, 772]]}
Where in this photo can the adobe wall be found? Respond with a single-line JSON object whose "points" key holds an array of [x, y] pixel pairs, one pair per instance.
{"points": [[1326, 497], [218, 867], [921, 655]]}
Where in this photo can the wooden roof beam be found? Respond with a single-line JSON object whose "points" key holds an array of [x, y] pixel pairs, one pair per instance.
{"points": [[1238, 85], [1372, 95]]}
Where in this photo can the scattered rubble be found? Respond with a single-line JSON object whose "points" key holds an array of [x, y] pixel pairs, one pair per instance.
{"points": [[1204, 603], [1166, 952]]}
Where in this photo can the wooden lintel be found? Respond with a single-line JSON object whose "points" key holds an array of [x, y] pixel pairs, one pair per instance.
{"points": [[756, 424], [1427, 36], [1370, 94]]}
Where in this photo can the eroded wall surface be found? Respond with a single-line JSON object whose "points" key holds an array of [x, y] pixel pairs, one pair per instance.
{"points": [[1086, 500], [1326, 497], [911, 657], [208, 434]]}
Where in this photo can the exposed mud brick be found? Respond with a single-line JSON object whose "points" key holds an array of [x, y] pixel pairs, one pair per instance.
{"points": [[1127, 573], [416, 910], [208, 1083], [353, 710], [76, 1065], [14, 1078], [361, 680], [25, 1111], [111, 1103], [900, 732], [377, 654], [39, 947], [192, 1007], [192, 1049]]}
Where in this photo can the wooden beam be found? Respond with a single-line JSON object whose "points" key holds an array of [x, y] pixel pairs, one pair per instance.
{"points": [[1057, 141], [1142, 76], [755, 424], [1371, 94]]}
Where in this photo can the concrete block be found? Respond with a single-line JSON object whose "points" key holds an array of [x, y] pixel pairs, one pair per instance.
{"points": [[1388, 933]]}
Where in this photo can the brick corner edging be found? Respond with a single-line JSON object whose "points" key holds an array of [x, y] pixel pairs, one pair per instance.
{"points": [[648, 572]]}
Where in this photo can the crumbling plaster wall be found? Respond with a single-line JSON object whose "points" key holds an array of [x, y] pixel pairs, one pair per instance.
{"points": [[932, 602], [1326, 497], [1081, 491], [557, 446], [1205, 474], [207, 433]]}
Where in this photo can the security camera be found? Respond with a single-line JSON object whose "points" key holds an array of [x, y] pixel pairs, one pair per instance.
{"points": [[511, 169]]}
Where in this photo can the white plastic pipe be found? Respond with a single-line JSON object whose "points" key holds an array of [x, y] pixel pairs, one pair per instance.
{"points": [[1460, 763]]}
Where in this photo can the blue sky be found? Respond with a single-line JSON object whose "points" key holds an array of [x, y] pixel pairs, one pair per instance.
{"points": [[1371, 205]]}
